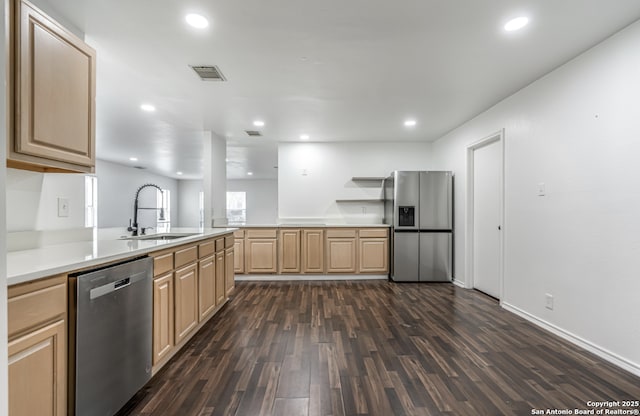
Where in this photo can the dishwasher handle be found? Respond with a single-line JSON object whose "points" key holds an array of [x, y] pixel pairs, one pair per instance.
{"points": [[117, 285]]}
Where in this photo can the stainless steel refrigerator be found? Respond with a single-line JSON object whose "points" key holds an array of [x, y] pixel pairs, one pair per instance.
{"points": [[419, 207]]}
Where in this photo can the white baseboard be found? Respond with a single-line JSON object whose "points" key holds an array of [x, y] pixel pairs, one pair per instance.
{"points": [[306, 277], [581, 342]]}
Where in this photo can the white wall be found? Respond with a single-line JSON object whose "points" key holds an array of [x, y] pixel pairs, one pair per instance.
{"points": [[32, 200], [117, 186], [578, 131], [262, 199], [189, 202], [311, 176], [4, 409]]}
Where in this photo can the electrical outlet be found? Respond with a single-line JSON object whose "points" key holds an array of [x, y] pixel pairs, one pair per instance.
{"points": [[542, 191], [549, 301], [63, 207]]}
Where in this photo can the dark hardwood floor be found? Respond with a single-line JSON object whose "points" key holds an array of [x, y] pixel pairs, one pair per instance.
{"points": [[376, 348]]}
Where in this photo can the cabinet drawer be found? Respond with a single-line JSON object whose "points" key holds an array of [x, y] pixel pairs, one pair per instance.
{"points": [[238, 234], [373, 233], [162, 264], [31, 309], [267, 233], [228, 241], [186, 256], [206, 249], [219, 244], [339, 233]]}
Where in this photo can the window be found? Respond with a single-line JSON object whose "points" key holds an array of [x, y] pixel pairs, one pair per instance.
{"points": [[163, 199], [90, 201], [237, 207]]}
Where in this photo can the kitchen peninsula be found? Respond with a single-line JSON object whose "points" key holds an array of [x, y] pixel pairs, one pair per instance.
{"points": [[192, 276]]}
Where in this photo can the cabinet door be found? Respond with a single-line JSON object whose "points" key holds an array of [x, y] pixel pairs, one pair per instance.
{"points": [[238, 258], [260, 255], [229, 274], [373, 255], [186, 301], [206, 286], [341, 255], [55, 92], [220, 278], [289, 251], [313, 251], [163, 335], [37, 372]]}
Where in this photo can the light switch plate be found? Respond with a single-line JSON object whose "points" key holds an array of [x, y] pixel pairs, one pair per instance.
{"points": [[549, 301], [63, 207]]}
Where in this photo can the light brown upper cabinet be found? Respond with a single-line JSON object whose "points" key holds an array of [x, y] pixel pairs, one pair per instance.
{"points": [[53, 106]]}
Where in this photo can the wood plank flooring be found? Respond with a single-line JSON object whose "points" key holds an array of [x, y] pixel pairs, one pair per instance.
{"points": [[374, 348]]}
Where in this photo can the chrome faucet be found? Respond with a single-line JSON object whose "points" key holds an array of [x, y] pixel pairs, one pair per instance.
{"points": [[133, 227]]}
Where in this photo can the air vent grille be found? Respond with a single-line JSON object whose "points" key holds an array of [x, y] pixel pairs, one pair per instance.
{"points": [[253, 133], [208, 72]]}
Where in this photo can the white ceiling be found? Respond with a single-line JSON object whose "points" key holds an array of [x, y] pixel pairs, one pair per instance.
{"points": [[336, 70]]}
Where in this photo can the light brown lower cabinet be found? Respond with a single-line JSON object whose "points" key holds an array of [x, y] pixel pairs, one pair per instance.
{"points": [[37, 362], [37, 372], [238, 258], [186, 301], [313, 251], [229, 274], [261, 255], [206, 287], [163, 314], [220, 278], [289, 251], [373, 255], [341, 255], [345, 250]]}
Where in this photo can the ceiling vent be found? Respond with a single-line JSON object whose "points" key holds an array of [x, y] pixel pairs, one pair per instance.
{"points": [[208, 72], [253, 133]]}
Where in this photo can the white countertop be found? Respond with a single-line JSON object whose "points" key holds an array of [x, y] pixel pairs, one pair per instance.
{"points": [[311, 225], [27, 265]]}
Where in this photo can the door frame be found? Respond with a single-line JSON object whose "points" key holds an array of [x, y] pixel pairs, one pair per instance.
{"points": [[469, 234]]}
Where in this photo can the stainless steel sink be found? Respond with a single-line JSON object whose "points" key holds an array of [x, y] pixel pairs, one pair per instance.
{"points": [[160, 236]]}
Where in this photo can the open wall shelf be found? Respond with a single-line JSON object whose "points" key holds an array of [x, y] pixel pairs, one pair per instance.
{"points": [[367, 179]]}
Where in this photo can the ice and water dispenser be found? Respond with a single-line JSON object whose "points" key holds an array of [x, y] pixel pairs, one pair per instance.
{"points": [[406, 216]]}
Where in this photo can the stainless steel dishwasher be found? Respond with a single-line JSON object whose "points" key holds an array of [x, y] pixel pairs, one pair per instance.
{"points": [[112, 334]]}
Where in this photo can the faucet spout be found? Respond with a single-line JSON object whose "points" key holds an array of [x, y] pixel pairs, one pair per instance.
{"points": [[134, 227]]}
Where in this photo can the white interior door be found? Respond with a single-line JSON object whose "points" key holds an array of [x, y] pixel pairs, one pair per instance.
{"points": [[487, 201]]}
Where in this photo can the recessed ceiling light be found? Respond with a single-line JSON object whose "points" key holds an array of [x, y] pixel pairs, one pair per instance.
{"points": [[148, 108], [226, 160], [410, 123], [178, 173], [304, 137], [133, 159], [258, 123], [249, 173], [516, 24], [196, 20]]}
